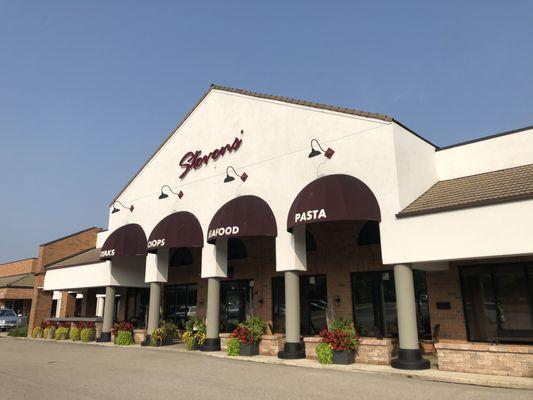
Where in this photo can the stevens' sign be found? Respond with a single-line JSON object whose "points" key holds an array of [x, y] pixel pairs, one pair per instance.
{"points": [[195, 159]]}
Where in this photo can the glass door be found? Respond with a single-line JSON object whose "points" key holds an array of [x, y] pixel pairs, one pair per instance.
{"points": [[235, 303]]}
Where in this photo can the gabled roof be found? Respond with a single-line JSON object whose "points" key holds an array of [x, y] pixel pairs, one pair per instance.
{"points": [[288, 100], [494, 187]]}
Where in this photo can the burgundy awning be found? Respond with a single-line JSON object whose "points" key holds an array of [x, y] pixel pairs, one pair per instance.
{"points": [[333, 198], [242, 216], [180, 229], [128, 240]]}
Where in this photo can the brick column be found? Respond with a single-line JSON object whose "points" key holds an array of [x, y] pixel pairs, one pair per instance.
{"points": [[41, 304], [68, 305]]}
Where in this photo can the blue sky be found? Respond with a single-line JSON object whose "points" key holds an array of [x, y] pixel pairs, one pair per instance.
{"points": [[88, 90]]}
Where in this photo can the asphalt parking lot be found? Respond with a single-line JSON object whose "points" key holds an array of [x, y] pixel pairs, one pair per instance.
{"points": [[60, 371]]}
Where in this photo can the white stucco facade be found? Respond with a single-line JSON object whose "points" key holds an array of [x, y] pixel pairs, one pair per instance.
{"points": [[395, 164]]}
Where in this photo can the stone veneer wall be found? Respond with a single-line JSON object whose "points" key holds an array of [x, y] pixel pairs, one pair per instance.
{"points": [[484, 358], [371, 350], [270, 345]]}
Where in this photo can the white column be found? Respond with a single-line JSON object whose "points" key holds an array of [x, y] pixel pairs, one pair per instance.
{"points": [[409, 354]]}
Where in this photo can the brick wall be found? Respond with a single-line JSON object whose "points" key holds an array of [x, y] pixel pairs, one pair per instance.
{"points": [[445, 286], [17, 267], [50, 253], [337, 256]]}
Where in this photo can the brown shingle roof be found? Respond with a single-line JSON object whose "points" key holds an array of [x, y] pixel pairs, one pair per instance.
{"points": [[24, 280], [476, 190], [91, 256]]}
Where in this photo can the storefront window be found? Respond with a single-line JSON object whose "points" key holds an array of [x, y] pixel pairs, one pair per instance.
{"points": [[498, 302], [374, 304], [180, 303], [313, 304], [137, 306]]}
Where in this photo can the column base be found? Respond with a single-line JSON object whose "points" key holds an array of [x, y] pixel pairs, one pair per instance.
{"points": [[292, 351], [410, 359], [104, 337], [211, 345]]}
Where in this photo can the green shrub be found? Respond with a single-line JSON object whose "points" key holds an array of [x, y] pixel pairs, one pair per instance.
{"points": [[37, 332], [257, 328], [74, 334], [233, 347], [49, 331], [60, 332], [20, 331], [343, 324], [324, 352], [87, 334], [124, 338]]}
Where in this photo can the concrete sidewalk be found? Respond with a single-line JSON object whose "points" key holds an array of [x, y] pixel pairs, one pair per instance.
{"points": [[433, 374]]}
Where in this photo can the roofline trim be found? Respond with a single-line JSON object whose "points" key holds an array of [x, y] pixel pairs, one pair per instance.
{"points": [[52, 267], [481, 139]]}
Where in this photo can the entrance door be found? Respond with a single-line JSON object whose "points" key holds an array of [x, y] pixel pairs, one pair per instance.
{"points": [[235, 302]]}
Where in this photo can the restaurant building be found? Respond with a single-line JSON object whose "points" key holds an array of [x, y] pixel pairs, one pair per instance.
{"points": [[301, 212]]}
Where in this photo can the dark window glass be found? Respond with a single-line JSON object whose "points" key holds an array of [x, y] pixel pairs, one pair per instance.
{"points": [[369, 234], [180, 303], [310, 242], [54, 309], [498, 302], [235, 303], [137, 306], [181, 256], [374, 304], [313, 303], [236, 249]]}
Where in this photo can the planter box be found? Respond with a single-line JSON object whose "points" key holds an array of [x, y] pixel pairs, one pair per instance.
{"points": [[249, 349], [484, 358], [270, 345], [343, 357], [371, 350], [139, 336]]}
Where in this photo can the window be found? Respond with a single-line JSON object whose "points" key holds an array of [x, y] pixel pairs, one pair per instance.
{"points": [[236, 249], [181, 256], [313, 304], [137, 306], [498, 302], [369, 234], [180, 303], [374, 304]]}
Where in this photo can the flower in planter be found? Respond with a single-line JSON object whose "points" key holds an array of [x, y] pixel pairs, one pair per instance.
{"points": [[233, 347], [195, 332], [343, 340], [123, 326], [158, 336]]}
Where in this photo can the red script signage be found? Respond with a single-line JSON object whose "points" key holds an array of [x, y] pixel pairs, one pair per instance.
{"points": [[195, 160]]}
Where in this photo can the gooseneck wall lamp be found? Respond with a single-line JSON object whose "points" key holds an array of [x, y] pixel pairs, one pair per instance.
{"points": [[163, 195], [314, 152], [230, 178], [116, 210]]}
